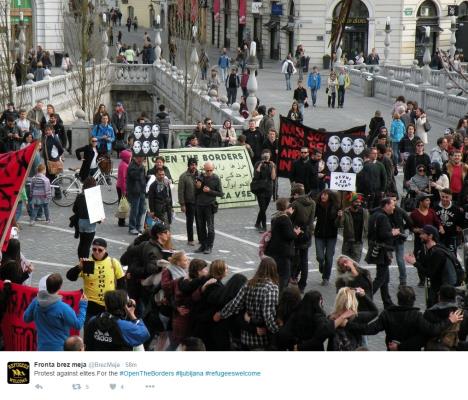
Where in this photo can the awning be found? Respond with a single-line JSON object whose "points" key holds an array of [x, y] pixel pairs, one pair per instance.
{"points": [[272, 25], [434, 28], [289, 27]]}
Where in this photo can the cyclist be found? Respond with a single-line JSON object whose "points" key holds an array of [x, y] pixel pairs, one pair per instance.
{"points": [[90, 153]]}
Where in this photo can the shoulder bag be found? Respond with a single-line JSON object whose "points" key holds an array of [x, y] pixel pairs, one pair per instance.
{"points": [[54, 167]]}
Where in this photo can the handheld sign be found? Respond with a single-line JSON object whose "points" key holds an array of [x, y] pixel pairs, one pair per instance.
{"points": [[94, 204], [343, 181]]}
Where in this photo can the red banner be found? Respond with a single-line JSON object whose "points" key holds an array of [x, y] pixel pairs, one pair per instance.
{"points": [[14, 168], [194, 11], [242, 12], [18, 335], [216, 8]]}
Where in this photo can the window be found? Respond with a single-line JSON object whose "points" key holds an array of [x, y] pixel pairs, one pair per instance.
{"points": [[427, 10]]}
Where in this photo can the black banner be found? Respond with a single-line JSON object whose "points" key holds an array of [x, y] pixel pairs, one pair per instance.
{"points": [[146, 143]]}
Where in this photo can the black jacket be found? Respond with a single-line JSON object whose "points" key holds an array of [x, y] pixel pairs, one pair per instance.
{"points": [[413, 161], [374, 128], [273, 147], [300, 94], [282, 236], [305, 173], [326, 224], [88, 155], [405, 324], [362, 280], [216, 190], [401, 220], [211, 138], [49, 142], [142, 258], [440, 312], [380, 229], [303, 217], [372, 178], [136, 180], [79, 207], [255, 140]]}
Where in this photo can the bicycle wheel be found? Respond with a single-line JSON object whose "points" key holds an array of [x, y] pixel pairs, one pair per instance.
{"points": [[109, 189], [65, 189]]}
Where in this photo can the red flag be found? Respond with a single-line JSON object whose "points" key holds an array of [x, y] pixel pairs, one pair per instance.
{"points": [[242, 12], [216, 9], [180, 8], [194, 11], [14, 169]]}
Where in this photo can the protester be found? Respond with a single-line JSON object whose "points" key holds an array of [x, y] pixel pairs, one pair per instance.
{"points": [[136, 183], [314, 83], [121, 186], [288, 69], [105, 135], [163, 121], [90, 152], [160, 198], [451, 220], [41, 193], [300, 96], [187, 200]]}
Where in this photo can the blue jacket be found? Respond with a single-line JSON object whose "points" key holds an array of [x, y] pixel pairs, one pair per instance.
{"points": [[397, 130], [133, 333], [223, 61], [99, 131], [314, 81], [53, 319]]}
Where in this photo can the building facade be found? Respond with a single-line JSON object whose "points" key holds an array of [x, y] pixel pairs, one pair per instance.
{"points": [[281, 25]]}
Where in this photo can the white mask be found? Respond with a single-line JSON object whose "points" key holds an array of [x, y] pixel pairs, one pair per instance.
{"points": [[146, 147], [136, 147], [146, 131], [137, 132], [358, 146], [345, 163], [332, 163], [154, 146], [155, 130], [346, 144], [334, 143], [357, 164]]}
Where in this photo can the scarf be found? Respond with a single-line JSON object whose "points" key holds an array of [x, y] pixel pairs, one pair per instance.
{"points": [[177, 272]]}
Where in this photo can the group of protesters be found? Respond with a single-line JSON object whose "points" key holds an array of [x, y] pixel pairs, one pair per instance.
{"points": [[164, 300]]}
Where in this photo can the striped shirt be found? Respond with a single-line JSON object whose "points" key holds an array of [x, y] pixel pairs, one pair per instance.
{"points": [[40, 187]]}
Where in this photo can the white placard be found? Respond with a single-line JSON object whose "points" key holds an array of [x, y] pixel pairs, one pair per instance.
{"points": [[343, 181], [256, 6], [94, 204]]}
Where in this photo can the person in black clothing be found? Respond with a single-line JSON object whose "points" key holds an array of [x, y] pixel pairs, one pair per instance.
{"points": [[281, 244], [451, 220], [305, 171], [407, 145], [350, 274], [59, 129], [371, 181], [116, 329], [271, 143], [300, 95], [86, 230], [160, 199], [90, 153], [210, 136], [404, 325], [208, 187], [432, 263], [9, 112], [375, 124], [255, 140], [136, 184], [52, 151], [439, 312], [381, 244], [262, 185], [413, 160], [232, 84], [10, 136], [10, 265]]}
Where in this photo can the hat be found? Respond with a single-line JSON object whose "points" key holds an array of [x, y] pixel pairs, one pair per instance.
{"points": [[100, 242], [423, 196], [158, 227], [192, 160], [431, 230], [119, 104], [352, 197]]}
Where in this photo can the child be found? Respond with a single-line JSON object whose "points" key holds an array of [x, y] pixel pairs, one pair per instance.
{"points": [[40, 194]]}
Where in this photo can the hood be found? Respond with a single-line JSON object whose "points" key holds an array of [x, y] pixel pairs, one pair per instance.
{"points": [[305, 200], [378, 119], [279, 214], [45, 299], [125, 156], [442, 306], [162, 115]]}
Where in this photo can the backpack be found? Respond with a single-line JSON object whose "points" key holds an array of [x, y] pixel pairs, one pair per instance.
{"points": [[264, 242], [289, 68], [448, 339], [454, 273]]}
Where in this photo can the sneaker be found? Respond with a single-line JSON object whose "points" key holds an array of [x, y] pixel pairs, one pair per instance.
{"points": [[325, 282], [207, 250], [48, 222], [191, 243], [32, 222], [201, 249], [133, 232]]}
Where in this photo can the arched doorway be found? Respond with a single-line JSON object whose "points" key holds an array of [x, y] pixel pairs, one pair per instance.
{"points": [[227, 24], [462, 32], [290, 28], [152, 16], [17, 7], [427, 15], [356, 35], [130, 12]]}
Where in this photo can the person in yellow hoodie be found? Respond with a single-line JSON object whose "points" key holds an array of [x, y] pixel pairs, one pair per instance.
{"points": [[343, 83], [100, 274]]}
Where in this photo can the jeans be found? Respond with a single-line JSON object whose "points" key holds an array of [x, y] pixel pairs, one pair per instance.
{"points": [[137, 210], [190, 216], [231, 94], [224, 74], [288, 81], [399, 255], [263, 201], [341, 93], [352, 249], [163, 140], [396, 153], [284, 271], [331, 99], [301, 107], [381, 282], [450, 242], [204, 73], [325, 250], [205, 218], [44, 207], [301, 266], [313, 95], [418, 245]]}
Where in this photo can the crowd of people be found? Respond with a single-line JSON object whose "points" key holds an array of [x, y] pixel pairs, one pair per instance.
{"points": [[164, 300]]}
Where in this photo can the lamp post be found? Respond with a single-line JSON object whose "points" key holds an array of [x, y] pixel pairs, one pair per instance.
{"points": [[388, 30], [194, 57], [22, 38], [252, 85], [157, 41], [453, 38], [426, 70]]}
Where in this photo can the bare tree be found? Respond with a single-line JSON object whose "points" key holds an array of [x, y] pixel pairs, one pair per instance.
{"points": [[84, 32]]}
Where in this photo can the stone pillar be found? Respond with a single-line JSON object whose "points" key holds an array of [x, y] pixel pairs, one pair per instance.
{"points": [[453, 37], [157, 41], [80, 130], [426, 70], [252, 85], [387, 42]]}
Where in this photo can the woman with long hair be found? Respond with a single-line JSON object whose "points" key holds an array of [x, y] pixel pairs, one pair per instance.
{"points": [[348, 336], [13, 266], [262, 186], [259, 299], [437, 181], [228, 134], [294, 112], [90, 156], [86, 230], [99, 113], [326, 232]]}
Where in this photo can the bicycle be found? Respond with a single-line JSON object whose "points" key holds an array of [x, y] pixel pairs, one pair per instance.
{"points": [[70, 186]]}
